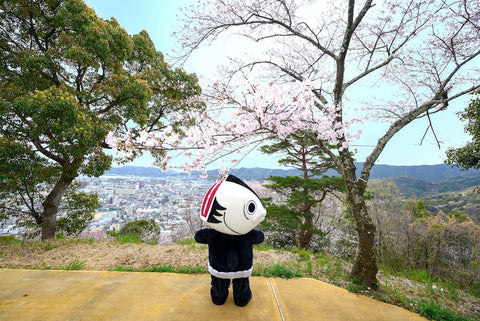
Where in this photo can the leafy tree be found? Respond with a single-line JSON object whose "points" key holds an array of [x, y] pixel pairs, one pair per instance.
{"points": [[409, 58], [468, 156], [67, 79], [302, 192], [416, 209]]}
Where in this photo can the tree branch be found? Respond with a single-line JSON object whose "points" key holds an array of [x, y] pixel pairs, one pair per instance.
{"points": [[430, 125], [398, 125]]}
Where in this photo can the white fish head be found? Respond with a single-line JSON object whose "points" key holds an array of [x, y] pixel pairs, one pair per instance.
{"points": [[232, 207]]}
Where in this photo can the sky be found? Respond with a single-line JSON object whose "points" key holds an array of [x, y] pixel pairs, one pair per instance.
{"points": [[160, 19]]}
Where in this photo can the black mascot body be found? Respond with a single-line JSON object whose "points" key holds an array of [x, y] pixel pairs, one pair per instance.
{"points": [[232, 210]]}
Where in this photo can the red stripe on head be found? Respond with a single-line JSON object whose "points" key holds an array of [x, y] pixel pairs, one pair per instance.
{"points": [[208, 200]]}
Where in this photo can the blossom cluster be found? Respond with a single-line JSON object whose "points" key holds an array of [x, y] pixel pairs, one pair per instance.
{"points": [[409, 51], [244, 118]]}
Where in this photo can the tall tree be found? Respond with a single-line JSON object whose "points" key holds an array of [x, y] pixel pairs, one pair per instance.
{"points": [[411, 58], [67, 78], [303, 193], [468, 156]]}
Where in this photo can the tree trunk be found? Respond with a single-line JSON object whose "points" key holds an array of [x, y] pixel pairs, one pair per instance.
{"points": [[50, 207], [306, 228], [365, 265], [305, 236]]}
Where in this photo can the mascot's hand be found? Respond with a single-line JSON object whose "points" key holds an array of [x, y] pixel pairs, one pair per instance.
{"points": [[257, 237], [203, 236]]}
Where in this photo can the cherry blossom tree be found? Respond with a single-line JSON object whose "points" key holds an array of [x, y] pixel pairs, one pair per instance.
{"points": [[411, 58]]}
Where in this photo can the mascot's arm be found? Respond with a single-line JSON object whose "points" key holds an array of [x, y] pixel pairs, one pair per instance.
{"points": [[257, 236], [203, 236]]}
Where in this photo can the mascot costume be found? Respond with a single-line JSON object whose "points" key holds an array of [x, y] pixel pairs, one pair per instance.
{"points": [[232, 210]]}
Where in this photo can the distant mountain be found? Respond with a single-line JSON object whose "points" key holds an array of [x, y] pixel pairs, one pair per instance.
{"points": [[414, 187], [430, 173], [258, 174], [140, 171], [424, 172]]}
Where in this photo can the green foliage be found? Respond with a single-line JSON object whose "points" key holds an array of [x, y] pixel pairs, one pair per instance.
{"points": [[416, 208], [67, 78], [301, 151], [263, 247], [292, 222], [331, 267], [186, 242], [138, 227], [9, 240], [163, 269], [419, 276], [468, 156], [75, 265], [475, 290], [305, 255], [122, 268], [144, 230], [278, 270], [129, 238], [458, 216], [112, 234], [433, 311], [356, 287]]}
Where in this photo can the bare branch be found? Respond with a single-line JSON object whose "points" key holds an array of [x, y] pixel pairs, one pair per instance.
{"points": [[430, 126]]}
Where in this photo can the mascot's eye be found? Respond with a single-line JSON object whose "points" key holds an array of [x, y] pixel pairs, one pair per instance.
{"points": [[251, 207]]}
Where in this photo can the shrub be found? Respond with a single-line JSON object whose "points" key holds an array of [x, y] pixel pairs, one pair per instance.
{"points": [[147, 230]]}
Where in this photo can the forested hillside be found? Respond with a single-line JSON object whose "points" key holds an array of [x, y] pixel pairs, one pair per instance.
{"points": [[415, 187], [463, 201]]}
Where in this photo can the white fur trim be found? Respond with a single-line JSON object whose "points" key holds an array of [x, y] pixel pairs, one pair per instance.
{"points": [[230, 275]]}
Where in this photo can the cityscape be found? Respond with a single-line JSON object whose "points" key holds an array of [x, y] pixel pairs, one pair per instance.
{"points": [[168, 201]]}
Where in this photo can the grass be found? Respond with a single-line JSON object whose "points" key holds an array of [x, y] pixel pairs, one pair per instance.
{"points": [[9, 240], [186, 242], [263, 247], [432, 311], [129, 238], [75, 265], [278, 270], [163, 268]]}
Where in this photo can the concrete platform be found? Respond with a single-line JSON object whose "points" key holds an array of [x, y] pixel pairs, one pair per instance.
{"points": [[89, 295]]}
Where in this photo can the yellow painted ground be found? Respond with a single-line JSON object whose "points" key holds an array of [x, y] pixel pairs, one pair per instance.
{"points": [[89, 295]]}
